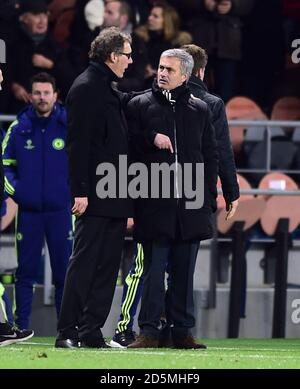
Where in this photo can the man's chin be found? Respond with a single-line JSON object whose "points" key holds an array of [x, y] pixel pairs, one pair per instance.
{"points": [[163, 85], [42, 111]]}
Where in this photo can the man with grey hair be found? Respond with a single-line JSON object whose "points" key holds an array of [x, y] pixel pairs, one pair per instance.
{"points": [[97, 134], [168, 125]]}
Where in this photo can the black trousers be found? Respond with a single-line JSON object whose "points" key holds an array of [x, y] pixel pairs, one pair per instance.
{"points": [[180, 258], [91, 277]]}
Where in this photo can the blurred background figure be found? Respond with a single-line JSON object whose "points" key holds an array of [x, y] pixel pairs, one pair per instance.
{"points": [[161, 32], [216, 25], [114, 14], [33, 50]]}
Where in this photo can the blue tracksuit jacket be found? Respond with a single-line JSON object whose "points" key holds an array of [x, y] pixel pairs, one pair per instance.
{"points": [[35, 161]]}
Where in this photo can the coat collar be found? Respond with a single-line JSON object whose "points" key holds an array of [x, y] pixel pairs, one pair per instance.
{"points": [[102, 68], [197, 81], [178, 94]]}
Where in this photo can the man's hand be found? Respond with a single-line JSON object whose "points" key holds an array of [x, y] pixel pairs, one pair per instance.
{"points": [[231, 208], [150, 72], [41, 61], [163, 142], [80, 205], [224, 7], [20, 93], [130, 224]]}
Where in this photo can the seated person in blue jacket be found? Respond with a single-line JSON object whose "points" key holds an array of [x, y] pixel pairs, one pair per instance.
{"points": [[36, 178]]}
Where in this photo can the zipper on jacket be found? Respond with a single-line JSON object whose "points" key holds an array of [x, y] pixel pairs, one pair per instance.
{"points": [[176, 174], [43, 167], [176, 157]]}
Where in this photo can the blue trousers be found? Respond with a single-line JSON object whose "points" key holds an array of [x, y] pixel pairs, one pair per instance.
{"points": [[32, 229], [7, 307]]}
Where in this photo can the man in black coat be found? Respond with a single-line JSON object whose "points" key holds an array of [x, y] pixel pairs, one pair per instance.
{"points": [[168, 125], [97, 134], [227, 169], [227, 173]]}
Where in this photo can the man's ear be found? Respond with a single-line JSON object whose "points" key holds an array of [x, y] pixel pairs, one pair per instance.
{"points": [[184, 78], [23, 18], [113, 57]]}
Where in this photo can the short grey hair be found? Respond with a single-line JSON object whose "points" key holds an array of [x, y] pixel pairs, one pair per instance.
{"points": [[110, 40], [186, 60]]}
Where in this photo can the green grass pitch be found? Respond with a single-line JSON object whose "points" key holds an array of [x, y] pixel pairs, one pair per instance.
{"points": [[221, 353]]}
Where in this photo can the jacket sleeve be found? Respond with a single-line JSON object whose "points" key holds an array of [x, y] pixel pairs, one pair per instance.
{"points": [[210, 154], [80, 118], [9, 161], [140, 139], [125, 97], [227, 169]]}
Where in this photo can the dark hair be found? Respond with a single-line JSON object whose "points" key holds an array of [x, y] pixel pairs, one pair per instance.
{"points": [[43, 77], [110, 40], [33, 6], [199, 56], [171, 20]]}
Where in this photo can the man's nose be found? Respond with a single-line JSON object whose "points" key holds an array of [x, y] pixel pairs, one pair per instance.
{"points": [[130, 60]]}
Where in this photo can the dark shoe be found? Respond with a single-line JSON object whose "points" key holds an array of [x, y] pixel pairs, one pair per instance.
{"points": [[165, 339], [122, 339], [144, 342], [67, 343], [187, 343], [94, 343], [165, 342], [10, 335]]}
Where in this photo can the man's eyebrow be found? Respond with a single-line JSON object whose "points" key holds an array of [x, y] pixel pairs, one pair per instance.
{"points": [[166, 67]]}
